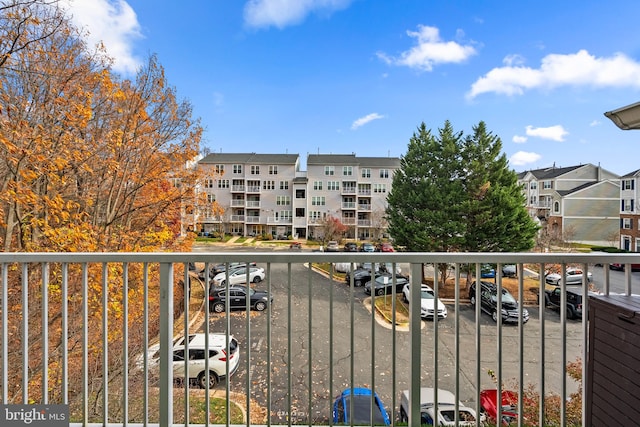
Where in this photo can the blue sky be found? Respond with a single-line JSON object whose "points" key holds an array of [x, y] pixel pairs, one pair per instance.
{"points": [[359, 76]]}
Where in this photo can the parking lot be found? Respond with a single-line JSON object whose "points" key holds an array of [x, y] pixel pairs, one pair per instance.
{"points": [[323, 338]]}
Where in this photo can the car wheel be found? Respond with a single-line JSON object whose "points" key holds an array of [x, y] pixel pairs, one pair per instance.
{"points": [[260, 305], [222, 283], [472, 299], [571, 314], [218, 307], [357, 283], [494, 315], [380, 292], [404, 297], [202, 379], [403, 415], [257, 279]]}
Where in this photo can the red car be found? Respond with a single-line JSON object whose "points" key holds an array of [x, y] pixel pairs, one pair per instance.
{"points": [[385, 247], [488, 405]]}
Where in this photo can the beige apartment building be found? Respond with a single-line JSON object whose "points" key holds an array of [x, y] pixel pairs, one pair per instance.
{"points": [[575, 203], [629, 216], [270, 194]]}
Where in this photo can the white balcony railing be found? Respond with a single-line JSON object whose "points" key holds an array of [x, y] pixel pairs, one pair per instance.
{"points": [[110, 320]]}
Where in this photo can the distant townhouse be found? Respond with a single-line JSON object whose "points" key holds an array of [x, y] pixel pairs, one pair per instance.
{"points": [[629, 216], [269, 194], [576, 203]]}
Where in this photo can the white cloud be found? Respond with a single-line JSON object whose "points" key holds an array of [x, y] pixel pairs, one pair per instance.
{"points": [[554, 133], [595, 123], [579, 69], [518, 139], [113, 23], [366, 119], [522, 158], [429, 51], [282, 13]]}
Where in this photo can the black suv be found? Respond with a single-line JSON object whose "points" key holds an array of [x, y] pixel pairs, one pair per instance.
{"points": [[489, 302], [350, 247], [574, 301]]}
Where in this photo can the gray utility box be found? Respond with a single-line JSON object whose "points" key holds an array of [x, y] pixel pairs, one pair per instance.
{"points": [[613, 361]]}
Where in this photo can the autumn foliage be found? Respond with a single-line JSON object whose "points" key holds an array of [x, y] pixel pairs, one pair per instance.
{"points": [[89, 162]]}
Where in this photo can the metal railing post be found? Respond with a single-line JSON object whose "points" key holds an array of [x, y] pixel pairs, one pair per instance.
{"points": [[165, 410]]}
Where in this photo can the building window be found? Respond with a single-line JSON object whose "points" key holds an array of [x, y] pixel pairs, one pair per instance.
{"points": [[379, 188], [269, 185], [627, 223], [628, 184], [211, 198], [209, 183], [219, 169], [299, 212], [534, 185], [317, 185], [285, 215], [347, 170], [524, 186], [314, 215], [255, 170], [366, 173], [223, 183], [329, 170], [627, 205], [284, 185], [384, 173], [300, 194], [283, 200], [273, 170], [237, 169], [318, 201], [547, 185], [556, 207], [333, 185]]}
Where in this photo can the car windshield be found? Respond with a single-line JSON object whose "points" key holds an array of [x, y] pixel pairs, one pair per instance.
{"points": [[426, 294], [506, 297]]}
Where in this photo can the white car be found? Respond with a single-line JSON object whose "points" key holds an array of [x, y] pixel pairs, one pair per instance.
{"points": [[196, 362], [446, 409], [239, 276], [573, 277], [427, 302]]}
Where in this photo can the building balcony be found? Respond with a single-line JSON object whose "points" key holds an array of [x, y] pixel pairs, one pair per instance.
{"points": [[272, 220], [364, 192], [251, 219], [252, 203], [348, 205], [348, 221], [111, 319], [364, 223], [237, 188], [348, 190], [253, 189], [364, 207], [238, 203], [237, 218]]}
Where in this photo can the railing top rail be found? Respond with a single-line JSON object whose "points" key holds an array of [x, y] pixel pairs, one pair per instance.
{"points": [[341, 257]]}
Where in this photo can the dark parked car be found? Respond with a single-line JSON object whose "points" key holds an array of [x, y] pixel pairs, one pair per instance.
{"points": [[574, 301], [509, 270], [350, 247], [258, 300], [489, 302], [384, 284], [362, 275], [359, 399], [219, 268]]}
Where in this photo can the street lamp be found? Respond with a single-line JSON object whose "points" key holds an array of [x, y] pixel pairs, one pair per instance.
{"points": [[626, 118]]}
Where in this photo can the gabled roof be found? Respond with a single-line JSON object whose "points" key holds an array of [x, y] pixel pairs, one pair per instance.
{"points": [[551, 172], [633, 174], [578, 188], [251, 158]]}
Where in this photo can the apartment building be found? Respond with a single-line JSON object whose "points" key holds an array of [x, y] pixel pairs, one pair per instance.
{"points": [[352, 189], [269, 194], [576, 203], [629, 216]]}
